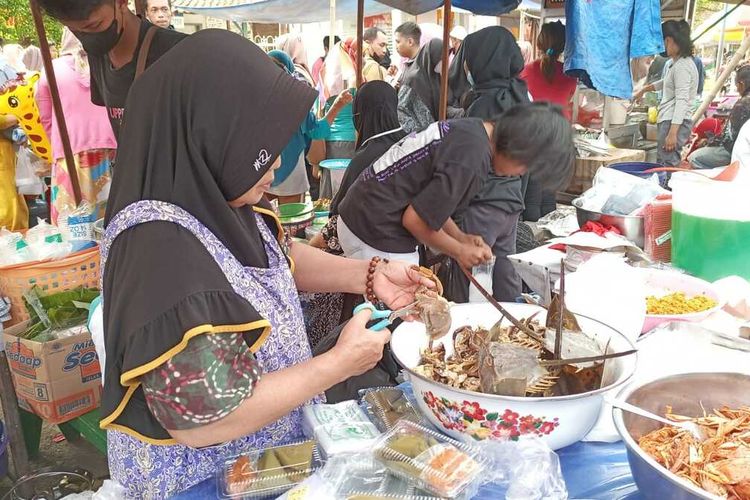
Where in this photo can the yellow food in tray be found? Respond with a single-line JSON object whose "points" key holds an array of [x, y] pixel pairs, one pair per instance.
{"points": [[678, 303]]}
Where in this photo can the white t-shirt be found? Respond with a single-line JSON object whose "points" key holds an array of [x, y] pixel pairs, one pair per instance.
{"points": [[741, 149]]}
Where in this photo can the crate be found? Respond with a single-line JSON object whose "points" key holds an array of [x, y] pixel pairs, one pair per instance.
{"points": [[585, 168], [52, 276]]}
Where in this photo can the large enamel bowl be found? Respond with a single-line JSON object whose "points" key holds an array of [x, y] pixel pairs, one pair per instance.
{"points": [[688, 394], [559, 421]]}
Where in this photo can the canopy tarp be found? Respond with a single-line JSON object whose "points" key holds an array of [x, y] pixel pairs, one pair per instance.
{"points": [[308, 11], [277, 11], [479, 7]]}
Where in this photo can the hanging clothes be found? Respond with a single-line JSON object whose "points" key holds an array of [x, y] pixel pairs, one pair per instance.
{"points": [[602, 37]]}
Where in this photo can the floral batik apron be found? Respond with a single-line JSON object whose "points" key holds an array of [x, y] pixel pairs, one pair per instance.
{"points": [[154, 471]]}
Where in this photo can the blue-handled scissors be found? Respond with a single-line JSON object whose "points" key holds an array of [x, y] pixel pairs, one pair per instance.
{"points": [[386, 315]]}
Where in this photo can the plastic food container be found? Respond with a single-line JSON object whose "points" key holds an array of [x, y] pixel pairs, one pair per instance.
{"points": [[269, 472], [386, 406], [431, 461], [710, 226]]}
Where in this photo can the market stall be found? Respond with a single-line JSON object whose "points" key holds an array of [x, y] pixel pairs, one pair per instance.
{"points": [[491, 389]]}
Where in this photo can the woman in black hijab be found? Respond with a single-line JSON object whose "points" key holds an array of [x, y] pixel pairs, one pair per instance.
{"points": [[204, 337], [485, 80], [419, 95], [375, 112], [376, 122]]}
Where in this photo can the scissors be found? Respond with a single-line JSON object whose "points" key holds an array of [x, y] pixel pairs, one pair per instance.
{"points": [[386, 315]]}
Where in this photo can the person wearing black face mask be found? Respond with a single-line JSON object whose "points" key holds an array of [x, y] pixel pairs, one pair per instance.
{"points": [[119, 44]]}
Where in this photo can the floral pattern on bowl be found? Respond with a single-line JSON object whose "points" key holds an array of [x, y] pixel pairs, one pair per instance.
{"points": [[470, 418]]}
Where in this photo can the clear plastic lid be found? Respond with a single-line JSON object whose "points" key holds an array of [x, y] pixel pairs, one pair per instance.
{"points": [[269, 472], [430, 460], [386, 406]]}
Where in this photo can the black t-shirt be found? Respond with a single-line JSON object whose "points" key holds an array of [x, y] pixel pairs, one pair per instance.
{"points": [[110, 86], [437, 171]]}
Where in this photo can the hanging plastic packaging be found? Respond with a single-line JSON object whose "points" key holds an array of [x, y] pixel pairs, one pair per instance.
{"points": [[27, 181]]}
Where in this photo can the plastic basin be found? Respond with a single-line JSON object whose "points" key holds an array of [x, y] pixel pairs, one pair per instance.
{"points": [[637, 168]]}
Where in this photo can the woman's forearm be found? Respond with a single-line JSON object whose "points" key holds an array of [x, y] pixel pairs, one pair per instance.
{"points": [[298, 383], [438, 240], [318, 271]]}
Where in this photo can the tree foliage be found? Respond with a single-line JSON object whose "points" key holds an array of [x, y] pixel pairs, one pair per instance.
{"points": [[705, 9], [16, 23]]}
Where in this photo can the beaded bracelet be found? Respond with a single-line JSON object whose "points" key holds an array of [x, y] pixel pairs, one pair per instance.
{"points": [[369, 285]]}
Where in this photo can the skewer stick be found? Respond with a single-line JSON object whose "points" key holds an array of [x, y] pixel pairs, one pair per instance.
{"points": [[518, 324], [588, 359], [558, 331], [360, 39], [444, 72]]}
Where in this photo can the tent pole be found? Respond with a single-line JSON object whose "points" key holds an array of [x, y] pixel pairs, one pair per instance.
{"points": [[332, 22], [720, 52], [56, 103], [722, 78], [444, 72], [360, 36]]}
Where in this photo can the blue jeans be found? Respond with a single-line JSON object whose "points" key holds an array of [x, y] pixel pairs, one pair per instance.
{"points": [[710, 157], [672, 158]]}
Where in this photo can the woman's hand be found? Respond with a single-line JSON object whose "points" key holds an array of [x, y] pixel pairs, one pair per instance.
{"points": [[670, 143], [358, 349], [396, 282], [342, 100]]}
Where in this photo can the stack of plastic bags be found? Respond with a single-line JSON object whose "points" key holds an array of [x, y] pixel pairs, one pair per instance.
{"points": [[49, 242]]}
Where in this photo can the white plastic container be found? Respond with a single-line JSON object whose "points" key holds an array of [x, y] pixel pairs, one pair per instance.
{"points": [[711, 225]]}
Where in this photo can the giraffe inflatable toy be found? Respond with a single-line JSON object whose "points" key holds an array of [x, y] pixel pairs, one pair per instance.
{"points": [[17, 99]]}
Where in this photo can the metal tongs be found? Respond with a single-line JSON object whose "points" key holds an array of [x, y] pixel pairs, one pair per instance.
{"points": [[386, 315]]}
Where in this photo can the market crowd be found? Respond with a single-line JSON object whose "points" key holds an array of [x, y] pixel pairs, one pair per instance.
{"points": [[218, 327]]}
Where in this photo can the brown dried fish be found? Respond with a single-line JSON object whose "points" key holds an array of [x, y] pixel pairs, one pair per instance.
{"points": [[720, 464], [434, 311]]}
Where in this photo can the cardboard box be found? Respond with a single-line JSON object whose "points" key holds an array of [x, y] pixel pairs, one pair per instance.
{"points": [[57, 380]]}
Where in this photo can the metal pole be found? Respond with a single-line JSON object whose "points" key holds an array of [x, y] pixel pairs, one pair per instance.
{"points": [[722, 78], [444, 72], [360, 38], [332, 21], [720, 53], [56, 103]]}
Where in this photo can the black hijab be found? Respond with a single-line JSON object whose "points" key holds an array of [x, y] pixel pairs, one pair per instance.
{"points": [[495, 62], [422, 77], [202, 126], [375, 110]]}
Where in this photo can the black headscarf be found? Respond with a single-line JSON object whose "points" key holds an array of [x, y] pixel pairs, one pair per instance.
{"points": [[495, 63], [423, 79], [202, 126], [375, 110]]}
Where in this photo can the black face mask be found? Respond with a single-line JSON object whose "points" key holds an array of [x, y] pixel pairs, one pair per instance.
{"points": [[101, 42], [386, 60]]}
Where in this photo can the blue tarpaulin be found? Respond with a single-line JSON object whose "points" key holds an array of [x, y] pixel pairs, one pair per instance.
{"points": [[308, 11]]}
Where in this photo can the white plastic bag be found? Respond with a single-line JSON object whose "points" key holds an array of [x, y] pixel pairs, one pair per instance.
{"points": [[13, 248], [46, 242], [619, 193], [27, 181], [527, 468]]}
